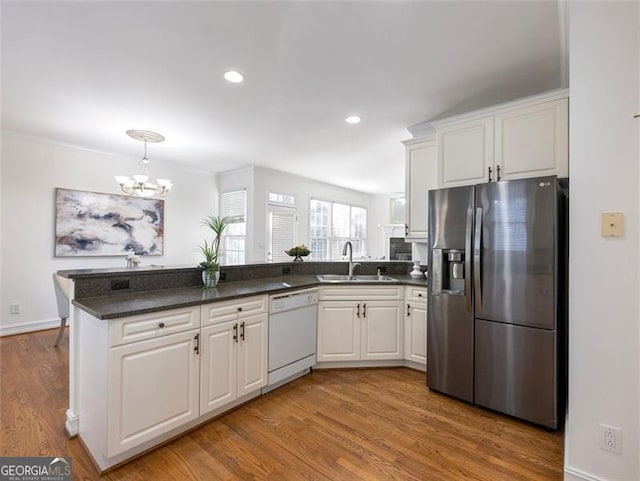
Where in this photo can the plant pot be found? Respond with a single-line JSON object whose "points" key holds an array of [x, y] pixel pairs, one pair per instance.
{"points": [[210, 277]]}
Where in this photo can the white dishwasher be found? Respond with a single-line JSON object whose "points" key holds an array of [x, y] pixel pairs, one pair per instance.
{"points": [[293, 318]]}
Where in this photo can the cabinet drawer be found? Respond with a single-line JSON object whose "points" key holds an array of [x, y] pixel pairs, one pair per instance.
{"points": [[229, 310], [152, 325], [416, 294], [360, 293]]}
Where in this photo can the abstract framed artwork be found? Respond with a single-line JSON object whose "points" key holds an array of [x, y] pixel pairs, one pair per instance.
{"points": [[95, 224]]}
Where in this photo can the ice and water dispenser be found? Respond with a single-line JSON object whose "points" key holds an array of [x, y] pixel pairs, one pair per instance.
{"points": [[448, 271]]}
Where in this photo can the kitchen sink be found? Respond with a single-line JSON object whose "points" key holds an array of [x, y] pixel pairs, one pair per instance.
{"points": [[360, 278]]}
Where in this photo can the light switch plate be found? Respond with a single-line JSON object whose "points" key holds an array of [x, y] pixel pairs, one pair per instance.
{"points": [[612, 224]]}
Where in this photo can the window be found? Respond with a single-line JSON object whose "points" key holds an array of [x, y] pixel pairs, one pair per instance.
{"points": [[233, 207], [331, 224], [281, 226], [283, 199], [282, 232]]}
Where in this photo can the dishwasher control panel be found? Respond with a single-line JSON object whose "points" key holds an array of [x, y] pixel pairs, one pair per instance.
{"points": [[293, 300]]}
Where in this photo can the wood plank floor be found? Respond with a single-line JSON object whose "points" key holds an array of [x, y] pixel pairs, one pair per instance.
{"points": [[373, 424]]}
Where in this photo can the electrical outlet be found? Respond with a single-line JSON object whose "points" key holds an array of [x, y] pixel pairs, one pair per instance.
{"points": [[610, 438], [14, 308], [286, 270], [117, 285]]}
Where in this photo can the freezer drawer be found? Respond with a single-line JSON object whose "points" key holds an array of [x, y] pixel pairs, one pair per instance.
{"points": [[515, 371]]}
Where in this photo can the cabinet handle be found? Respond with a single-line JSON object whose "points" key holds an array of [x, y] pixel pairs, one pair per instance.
{"points": [[235, 333], [239, 309], [406, 229], [419, 294], [242, 331], [197, 346], [498, 172], [358, 313], [364, 310], [489, 168], [408, 309], [161, 324]]}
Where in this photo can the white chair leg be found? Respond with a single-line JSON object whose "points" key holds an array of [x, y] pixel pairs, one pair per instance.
{"points": [[63, 323]]}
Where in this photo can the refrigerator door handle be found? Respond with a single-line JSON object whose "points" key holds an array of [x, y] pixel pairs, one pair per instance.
{"points": [[477, 253], [435, 274], [467, 259]]}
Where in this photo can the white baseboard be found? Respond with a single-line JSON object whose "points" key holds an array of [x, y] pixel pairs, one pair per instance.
{"points": [[573, 474], [32, 326]]}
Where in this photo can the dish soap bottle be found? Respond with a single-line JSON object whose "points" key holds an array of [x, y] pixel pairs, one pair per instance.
{"points": [[416, 272]]}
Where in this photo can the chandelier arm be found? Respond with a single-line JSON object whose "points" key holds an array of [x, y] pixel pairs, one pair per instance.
{"points": [[140, 184]]}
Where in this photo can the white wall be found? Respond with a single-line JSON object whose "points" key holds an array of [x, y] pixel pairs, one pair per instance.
{"points": [[604, 287], [31, 170], [379, 213]]}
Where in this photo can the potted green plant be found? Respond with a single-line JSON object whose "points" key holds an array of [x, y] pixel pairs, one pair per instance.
{"points": [[210, 265]]}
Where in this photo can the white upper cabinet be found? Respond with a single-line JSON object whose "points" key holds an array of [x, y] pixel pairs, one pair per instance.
{"points": [[421, 176], [533, 141], [524, 138], [465, 152]]}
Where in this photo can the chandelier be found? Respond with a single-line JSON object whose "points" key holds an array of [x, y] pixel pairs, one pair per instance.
{"points": [[139, 184]]}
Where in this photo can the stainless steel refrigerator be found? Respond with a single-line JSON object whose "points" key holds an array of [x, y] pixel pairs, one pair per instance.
{"points": [[497, 296]]}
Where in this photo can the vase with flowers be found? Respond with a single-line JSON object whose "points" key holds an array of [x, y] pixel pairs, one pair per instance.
{"points": [[210, 251]]}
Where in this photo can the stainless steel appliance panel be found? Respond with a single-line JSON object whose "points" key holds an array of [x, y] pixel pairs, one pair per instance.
{"points": [[447, 217], [450, 346], [450, 309], [515, 371], [515, 252]]}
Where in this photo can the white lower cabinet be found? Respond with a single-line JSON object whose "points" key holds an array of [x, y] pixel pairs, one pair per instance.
{"points": [[144, 379], [415, 325], [381, 330], [338, 331], [153, 389], [360, 330], [233, 362], [219, 366]]}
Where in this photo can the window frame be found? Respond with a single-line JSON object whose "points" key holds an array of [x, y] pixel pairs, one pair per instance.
{"points": [[331, 237], [226, 237]]}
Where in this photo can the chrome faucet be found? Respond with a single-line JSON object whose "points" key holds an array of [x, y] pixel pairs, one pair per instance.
{"points": [[349, 248]]}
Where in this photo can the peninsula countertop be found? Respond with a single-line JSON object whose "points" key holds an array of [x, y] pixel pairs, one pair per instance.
{"points": [[134, 303]]}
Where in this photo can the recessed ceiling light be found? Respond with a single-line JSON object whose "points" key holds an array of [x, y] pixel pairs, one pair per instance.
{"points": [[354, 119], [233, 76]]}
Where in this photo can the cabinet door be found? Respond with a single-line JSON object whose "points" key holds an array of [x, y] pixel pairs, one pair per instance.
{"points": [[415, 343], [421, 175], [218, 372], [465, 152], [382, 330], [252, 353], [338, 331], [533, 141], [153, 388]]}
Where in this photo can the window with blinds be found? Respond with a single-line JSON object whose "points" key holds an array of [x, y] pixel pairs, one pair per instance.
{"points": [[233, 207], [331, 224], [282, 233]]}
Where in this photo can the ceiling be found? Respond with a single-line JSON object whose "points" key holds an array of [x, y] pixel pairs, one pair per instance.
{"points": [[85, 72]]}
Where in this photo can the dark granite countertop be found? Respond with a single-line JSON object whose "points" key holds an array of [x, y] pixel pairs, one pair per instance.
{"points": [[106, 271], [130, 304]]}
